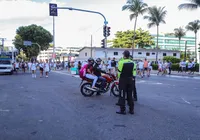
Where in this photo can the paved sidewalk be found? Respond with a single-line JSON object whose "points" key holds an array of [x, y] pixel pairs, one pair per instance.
{"points": [[178, 74]]}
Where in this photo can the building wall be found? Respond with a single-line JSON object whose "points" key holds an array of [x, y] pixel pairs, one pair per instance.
{"points": [[47, 54], [172, 42], [138, 54]]}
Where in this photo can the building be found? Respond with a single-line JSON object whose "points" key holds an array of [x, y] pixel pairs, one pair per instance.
{"points": [[170, 42], [62, 54], [150, 54]]}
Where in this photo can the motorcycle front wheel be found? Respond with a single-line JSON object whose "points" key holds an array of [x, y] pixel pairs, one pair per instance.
{"points": [[85, 91]]}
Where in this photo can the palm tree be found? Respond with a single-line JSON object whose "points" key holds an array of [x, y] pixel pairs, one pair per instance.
{"points": [[136, 7], [179, 32], [193, 5], [156, 17], [194, 26]]}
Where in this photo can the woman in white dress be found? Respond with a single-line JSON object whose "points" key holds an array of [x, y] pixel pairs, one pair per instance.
{"points": [[41, 65], [46, 68], [33, 68]]}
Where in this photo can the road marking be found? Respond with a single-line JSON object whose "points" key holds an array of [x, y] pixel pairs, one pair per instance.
{"points": [[185, 101], [6, 110], [76, 76]]}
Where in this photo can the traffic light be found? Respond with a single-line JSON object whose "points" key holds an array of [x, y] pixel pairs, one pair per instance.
{"points": [[104, 31], [103, 43], [108, 31], [199, 49]]}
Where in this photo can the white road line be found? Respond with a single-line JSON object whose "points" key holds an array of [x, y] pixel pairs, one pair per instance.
{"points": [[6, 110], [185, 101]]}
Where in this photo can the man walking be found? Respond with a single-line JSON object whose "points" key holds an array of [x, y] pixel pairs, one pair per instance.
{"points": [[125, 75]]}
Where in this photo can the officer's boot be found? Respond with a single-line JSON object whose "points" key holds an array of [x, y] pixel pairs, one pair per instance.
{"points": [[122, 110], [131, 110]]}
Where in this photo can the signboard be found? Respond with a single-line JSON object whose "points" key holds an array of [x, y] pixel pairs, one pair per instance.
{"points": [[27, 43], [5, 55], [53, 9]]}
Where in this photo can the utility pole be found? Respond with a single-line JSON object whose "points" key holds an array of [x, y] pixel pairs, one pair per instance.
{"points": [[2, 42], [91, 46]]}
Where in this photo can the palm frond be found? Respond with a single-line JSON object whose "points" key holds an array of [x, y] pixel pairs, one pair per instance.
{"points": [[189, 6], [132, 16], [135, 7], [152, 24]]}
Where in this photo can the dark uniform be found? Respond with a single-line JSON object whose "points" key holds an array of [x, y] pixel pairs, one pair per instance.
{"points": [[126, 69], [134, 77]]}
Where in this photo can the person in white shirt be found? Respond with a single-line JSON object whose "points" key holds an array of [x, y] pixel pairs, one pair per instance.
{"points": [[46, 68], [149, 67], [141, 67], [17, 66], [160, 67], [183, 65], [41, 65], [109, 65], [33, 68]]}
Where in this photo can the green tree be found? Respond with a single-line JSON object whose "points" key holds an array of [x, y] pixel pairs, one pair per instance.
{"points": [[193, 5], [136, 7], [179, 32], [124, 39], [194, 27], [156, 16], [34, 33]]}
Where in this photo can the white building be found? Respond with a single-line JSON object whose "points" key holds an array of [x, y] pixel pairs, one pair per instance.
{"points": [[150, 54], [60, 52]]}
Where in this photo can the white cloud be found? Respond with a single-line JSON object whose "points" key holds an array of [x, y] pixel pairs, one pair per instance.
{"points": [[73, 28]]}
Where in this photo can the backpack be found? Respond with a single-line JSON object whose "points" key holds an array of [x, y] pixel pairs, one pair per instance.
{"points": [[82, 71]]}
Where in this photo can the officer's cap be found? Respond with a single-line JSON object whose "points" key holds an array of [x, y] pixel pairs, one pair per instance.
{"points": [[126, 53]]}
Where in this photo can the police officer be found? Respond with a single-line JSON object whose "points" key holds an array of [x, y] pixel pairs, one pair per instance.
{"points": [[125, 75], [134, 78]]}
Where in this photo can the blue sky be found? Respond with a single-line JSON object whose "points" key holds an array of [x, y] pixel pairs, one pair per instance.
{"points": [[74, 28]]}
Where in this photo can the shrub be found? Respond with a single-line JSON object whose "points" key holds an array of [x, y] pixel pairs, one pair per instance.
{"points": [[171, 59], [175, 67], [155, 66]]}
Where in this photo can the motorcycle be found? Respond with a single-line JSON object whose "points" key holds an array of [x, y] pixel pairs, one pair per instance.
{"points": [[111, 79]]}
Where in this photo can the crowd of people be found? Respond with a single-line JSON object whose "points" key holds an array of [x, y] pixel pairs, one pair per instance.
{"points": [[43, 66]]}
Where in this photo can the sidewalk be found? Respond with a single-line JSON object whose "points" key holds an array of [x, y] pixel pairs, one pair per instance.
{"points": [[178, 74]]}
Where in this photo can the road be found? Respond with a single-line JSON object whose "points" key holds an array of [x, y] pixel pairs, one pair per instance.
{"points": [[54, 109]]}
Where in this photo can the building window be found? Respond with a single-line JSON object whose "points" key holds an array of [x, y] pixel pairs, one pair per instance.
{"points": [[153, 53], [139, 52], [174, 54], [147, 54], [85, 54], [115, 53], [164, 54]]}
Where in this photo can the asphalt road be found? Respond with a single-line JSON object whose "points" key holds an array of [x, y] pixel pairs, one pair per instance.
{"points": [[54, 109]]}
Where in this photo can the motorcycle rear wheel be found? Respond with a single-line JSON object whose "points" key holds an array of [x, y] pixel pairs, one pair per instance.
{"points": [[86, 92]]}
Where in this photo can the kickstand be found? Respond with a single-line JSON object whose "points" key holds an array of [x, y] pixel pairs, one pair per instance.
{"points": [[81, 83]]}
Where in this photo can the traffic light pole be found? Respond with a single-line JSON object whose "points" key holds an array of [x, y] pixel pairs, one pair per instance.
{"points": [[54, 48], [88, 11]]}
